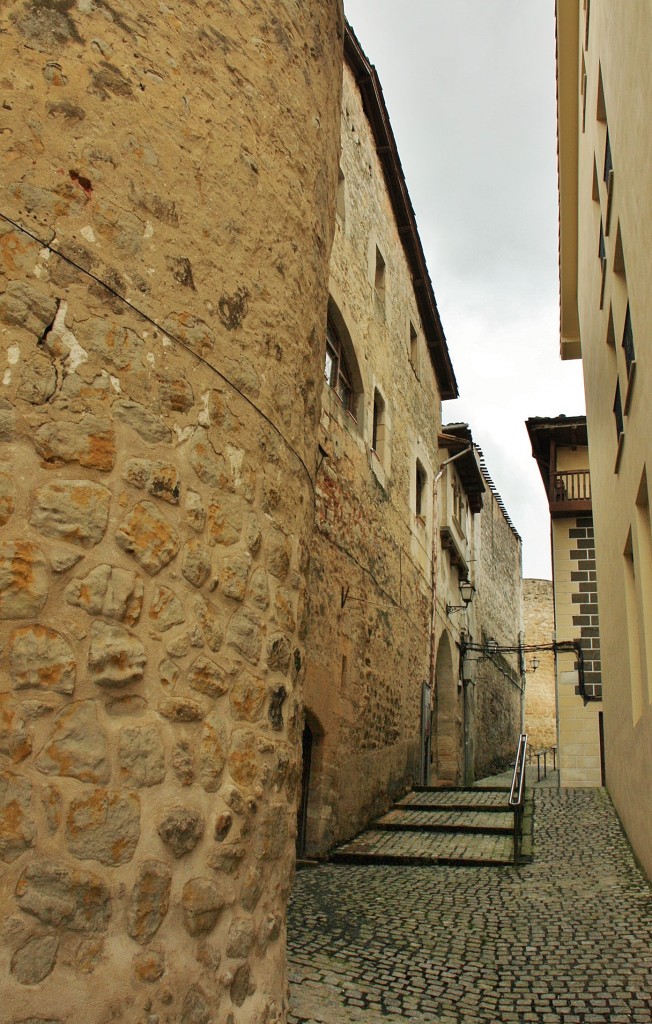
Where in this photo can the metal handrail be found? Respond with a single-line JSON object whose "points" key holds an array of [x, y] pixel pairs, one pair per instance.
{"points": [[517, 793]]}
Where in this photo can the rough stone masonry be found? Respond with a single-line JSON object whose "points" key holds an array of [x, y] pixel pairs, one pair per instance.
{"points": [[166, 207]]}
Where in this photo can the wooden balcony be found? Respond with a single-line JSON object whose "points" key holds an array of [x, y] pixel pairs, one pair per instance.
{"points": [[569, 492]]}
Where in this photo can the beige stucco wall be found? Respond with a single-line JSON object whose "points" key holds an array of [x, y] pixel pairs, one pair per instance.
{"points": [[160, 398], [368, 639], [540, 702], [579, 737], [619, 48]]}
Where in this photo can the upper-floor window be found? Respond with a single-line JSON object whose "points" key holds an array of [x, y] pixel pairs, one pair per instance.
{"points": [[420, 491], [378, 426], [628, 342], [379, 282], [336, 370], [602, 253], [618, 412], [414, 349]]}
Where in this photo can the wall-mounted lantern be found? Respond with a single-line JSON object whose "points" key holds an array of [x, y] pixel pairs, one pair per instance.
{"points": [[467, 590]]}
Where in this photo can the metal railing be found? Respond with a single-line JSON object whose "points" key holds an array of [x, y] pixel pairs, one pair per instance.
{"points": [[517, 794]]}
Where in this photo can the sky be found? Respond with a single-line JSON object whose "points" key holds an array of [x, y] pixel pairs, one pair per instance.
{"points": [[470, 90]]}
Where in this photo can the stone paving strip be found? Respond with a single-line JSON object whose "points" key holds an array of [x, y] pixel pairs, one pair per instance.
{"points": [[468, 821], [565, 939], [428, 846], [436, 798]]}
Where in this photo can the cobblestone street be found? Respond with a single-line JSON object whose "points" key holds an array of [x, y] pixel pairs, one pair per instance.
{"points": [[567, 938]]}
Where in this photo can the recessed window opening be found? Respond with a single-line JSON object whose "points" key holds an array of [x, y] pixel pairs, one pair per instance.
{"points": [[602, 253], [379, 278], [601, 110], [608, 162], [611, 334], [628, 342], [595, 191], [619, 256], [420, 493], [336, 370], [414, 349], [587, 8], [341, 197], [618, 412], [584, 92], [378, 426]]}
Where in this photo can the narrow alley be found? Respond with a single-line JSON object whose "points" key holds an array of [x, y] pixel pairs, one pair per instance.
{"points": [[566, 939]]}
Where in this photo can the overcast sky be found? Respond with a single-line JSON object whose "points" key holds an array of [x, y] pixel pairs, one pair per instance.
{"points": [[470, 89]]}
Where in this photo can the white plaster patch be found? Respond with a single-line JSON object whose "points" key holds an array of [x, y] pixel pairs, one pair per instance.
{"points": [[151, 358], [165, 341], [13, 354], [76, 354], [236, 458], [183, 433], [88, 233], [6, 380], [149, 230], [204, 417], [115, 384]]}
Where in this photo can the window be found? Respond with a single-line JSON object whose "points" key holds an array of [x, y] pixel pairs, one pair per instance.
{"points": [[336, 370], [420, 492], [379, 282], [341, 197], [608, 163], [601, 111], [618, 412], [378, 428], [459, 506], [602, 253], [608, 179], [584, 92], [414, 349], [587, 9], [619, 256], [628, 342]]}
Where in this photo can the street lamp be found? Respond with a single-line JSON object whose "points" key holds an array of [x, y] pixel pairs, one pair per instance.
{"points": [[467, 590]]}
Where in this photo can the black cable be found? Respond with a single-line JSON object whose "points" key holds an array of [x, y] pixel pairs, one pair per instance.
{"points": [[168, 334]]}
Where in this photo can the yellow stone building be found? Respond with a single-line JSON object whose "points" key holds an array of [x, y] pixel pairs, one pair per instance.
{"points": [[605, 150]]}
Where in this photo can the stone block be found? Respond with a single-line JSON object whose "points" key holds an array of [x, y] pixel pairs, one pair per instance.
{"points": [[38, 379], [60, 897], [149, 901], [277, 558], [159, 479], [181, 709], [141, 419], [149, 965], [35, 959], [259, 588], [182, 763], [244, 634], [7, 498], [76, 510], [17, 825], [224, 522], [147, 535], [116, 657], [240, 938], [195, 562], [196, 1008], [210, 466], [180, 830], [141, 756], [166, 609], [104, 826], [234, 573], [90, 442], [243, 758], [15, 738], [77, 746], [202, 903], [110, 591], [247, 698], [175, 394], [207, 677], [40, 659], [24, 581], [212, 752], [210, 621], [195, 511], [112, 343]]}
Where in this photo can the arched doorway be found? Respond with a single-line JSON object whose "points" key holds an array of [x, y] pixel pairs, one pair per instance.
{"points": [[310, 756], [448, 716]]}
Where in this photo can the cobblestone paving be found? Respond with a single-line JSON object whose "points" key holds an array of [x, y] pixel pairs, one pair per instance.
{"points": [[431, 845], [566, 939], [454, 798], [450, 819]]}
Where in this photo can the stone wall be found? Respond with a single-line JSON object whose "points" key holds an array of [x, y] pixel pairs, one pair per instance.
{"points": [[496, 720], [163, 249], [368, 644], [540, 702]]}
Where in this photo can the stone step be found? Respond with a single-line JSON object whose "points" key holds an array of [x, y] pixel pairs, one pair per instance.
{"points": [[420, 848], [490, 800], [493, 821]]}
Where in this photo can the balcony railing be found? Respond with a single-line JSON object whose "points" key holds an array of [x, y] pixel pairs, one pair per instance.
{"points": [[570, 491]]}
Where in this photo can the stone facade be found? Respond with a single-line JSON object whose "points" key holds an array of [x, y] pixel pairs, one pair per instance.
{"points": [[540, 703], [370, 580], [163, 249], [498, 691]]}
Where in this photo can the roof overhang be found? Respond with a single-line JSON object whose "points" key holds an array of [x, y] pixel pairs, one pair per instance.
{"points": [[568, 105], [455, 437], [376, 112], [569, 431]]}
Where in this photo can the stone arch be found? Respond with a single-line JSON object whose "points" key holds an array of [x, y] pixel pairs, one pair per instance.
{"points": [[312, 746], [447, 719]]}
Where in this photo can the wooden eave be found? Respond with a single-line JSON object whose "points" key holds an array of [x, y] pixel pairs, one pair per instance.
{"points": [[375, 110]]}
